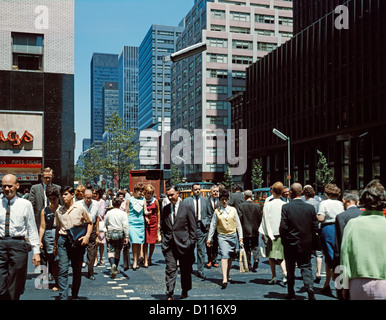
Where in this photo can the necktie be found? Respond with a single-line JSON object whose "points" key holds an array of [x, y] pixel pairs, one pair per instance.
{"points": [[7, 218], [196, 208], [174, 214]]}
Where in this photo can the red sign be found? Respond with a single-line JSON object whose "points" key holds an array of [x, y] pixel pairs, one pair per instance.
{"points": [[20, 162], [15, 138]]}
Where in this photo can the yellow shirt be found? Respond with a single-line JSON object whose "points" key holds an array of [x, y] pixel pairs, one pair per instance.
{"points": [[76, 215]]}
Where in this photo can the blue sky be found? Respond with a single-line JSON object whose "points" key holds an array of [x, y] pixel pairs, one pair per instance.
{"points": [[105, 26]]}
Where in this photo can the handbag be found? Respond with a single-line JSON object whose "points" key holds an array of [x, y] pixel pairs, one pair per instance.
{"points": [[159, 237], [243, 260], [75, 233]]}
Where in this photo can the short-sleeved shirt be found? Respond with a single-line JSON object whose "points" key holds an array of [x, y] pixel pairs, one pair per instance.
{"points": [[76, 215]]}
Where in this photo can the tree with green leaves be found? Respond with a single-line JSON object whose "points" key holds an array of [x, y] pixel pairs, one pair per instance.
{"points": [[175, 175], [324, 174], [119, 151], [91, 166], [257, 174], [228, 179]]}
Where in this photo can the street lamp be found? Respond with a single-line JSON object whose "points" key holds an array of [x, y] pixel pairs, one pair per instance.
{"points": [[175, 57], [285, 138]]}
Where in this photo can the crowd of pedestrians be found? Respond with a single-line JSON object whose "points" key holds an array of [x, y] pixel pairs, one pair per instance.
{"points": [[64, 226]]}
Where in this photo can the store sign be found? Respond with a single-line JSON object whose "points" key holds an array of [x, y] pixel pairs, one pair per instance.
{"points": [[15, 138]]}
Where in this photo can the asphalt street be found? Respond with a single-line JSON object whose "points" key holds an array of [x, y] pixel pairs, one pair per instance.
{"points": [[148, 284]]}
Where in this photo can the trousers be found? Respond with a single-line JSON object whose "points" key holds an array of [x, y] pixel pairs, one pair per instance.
{"points": [[13, 268], [67, 254]]}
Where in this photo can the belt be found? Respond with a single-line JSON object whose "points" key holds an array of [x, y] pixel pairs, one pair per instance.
{"points": [[12, 238]]}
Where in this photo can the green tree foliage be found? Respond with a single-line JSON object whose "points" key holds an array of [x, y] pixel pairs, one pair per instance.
{"points": [[228, 179], [175, 175], [118, 152], [257, 174], [324, 174]]}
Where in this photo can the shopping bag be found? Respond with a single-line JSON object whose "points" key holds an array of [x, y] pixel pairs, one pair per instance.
{"points": [[126, 257], [243, 260]]}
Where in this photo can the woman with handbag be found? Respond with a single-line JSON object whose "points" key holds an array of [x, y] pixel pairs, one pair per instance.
{"points": [[117, 235], [226, 221], [70, 217], [152, 224], [101, 240]]}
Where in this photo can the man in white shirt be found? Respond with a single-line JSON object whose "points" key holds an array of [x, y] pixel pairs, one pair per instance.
{"points": [[17, 221], [93, 210]]}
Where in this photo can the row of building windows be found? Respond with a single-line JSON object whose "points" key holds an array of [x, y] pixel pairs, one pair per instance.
{"points": [[244, 30]]}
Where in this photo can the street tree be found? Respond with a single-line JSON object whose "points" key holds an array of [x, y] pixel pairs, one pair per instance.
{"points": [[228, 179], [175, 175], [119, 150], [257, 174], [324, 174]]}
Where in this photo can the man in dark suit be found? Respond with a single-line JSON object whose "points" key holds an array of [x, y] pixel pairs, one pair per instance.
{"points": [[298, 227], [350, 201], [179, 236], [237, 198], [37, 194], [212, 251], [250, 218], [199, 204]]}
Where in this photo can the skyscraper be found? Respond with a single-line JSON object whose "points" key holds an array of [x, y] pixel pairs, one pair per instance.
{"points": [[237, 34], [110, 101], [128, 86], [104, 68], [37, 89]]}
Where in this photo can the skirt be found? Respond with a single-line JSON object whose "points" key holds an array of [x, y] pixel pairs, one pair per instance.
{"points": [[275, 249], [328, 242], [227, 245]]}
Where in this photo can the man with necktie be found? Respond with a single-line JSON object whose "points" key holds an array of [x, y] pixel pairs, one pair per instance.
{"points": [[179, 236], [16, 223], [200, 206]]}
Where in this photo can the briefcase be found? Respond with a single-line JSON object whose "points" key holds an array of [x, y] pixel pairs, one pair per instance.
{"points": [[75, 233]]}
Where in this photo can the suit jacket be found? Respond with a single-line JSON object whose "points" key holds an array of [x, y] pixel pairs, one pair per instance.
{"points": [[235, 200], [341, 221], [37, 198], [183, 233], [298, 225], [250, 218], [205, 215]]}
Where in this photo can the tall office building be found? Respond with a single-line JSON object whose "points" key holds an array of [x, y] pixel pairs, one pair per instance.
{"points": [[104, 68], [128, 87], [323, 92], [237, 34], [37, 89], [110, 97], [159, 41]]}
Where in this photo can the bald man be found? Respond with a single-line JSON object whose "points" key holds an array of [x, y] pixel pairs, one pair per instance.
{"points": [[298, 226], [17, 221]]}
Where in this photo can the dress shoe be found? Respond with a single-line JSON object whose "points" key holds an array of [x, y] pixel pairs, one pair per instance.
{"points": [[91, 277], [184, 295], [255, 265], [317, 279], [170, 298], [202, 276], [311, 295], [209, 264], [224, 285]]}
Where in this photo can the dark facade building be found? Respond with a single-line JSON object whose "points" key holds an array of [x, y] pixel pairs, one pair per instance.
{"points": [[37, 89], [325, 89]]}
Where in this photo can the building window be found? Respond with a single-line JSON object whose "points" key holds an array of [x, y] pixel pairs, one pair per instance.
{"points": [[260, 18], [240, 16], [242, 60], [220, 74], [217, 27], [218, 14], [218, 43], [285, 21], [27, 51], [241, 44], [217, 89], [263, 46], [240, 30], [219, 58]]}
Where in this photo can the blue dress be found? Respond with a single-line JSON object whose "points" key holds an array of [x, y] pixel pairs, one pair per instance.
{"points": [[136, 220]]}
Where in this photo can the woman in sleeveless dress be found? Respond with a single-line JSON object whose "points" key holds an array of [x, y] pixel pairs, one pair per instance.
{"points": [[152, 223], [136, 209]]}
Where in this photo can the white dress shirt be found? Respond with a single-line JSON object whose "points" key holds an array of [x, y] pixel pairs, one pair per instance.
{"points": [[93, 210], [22, 221], [175, 207]]}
